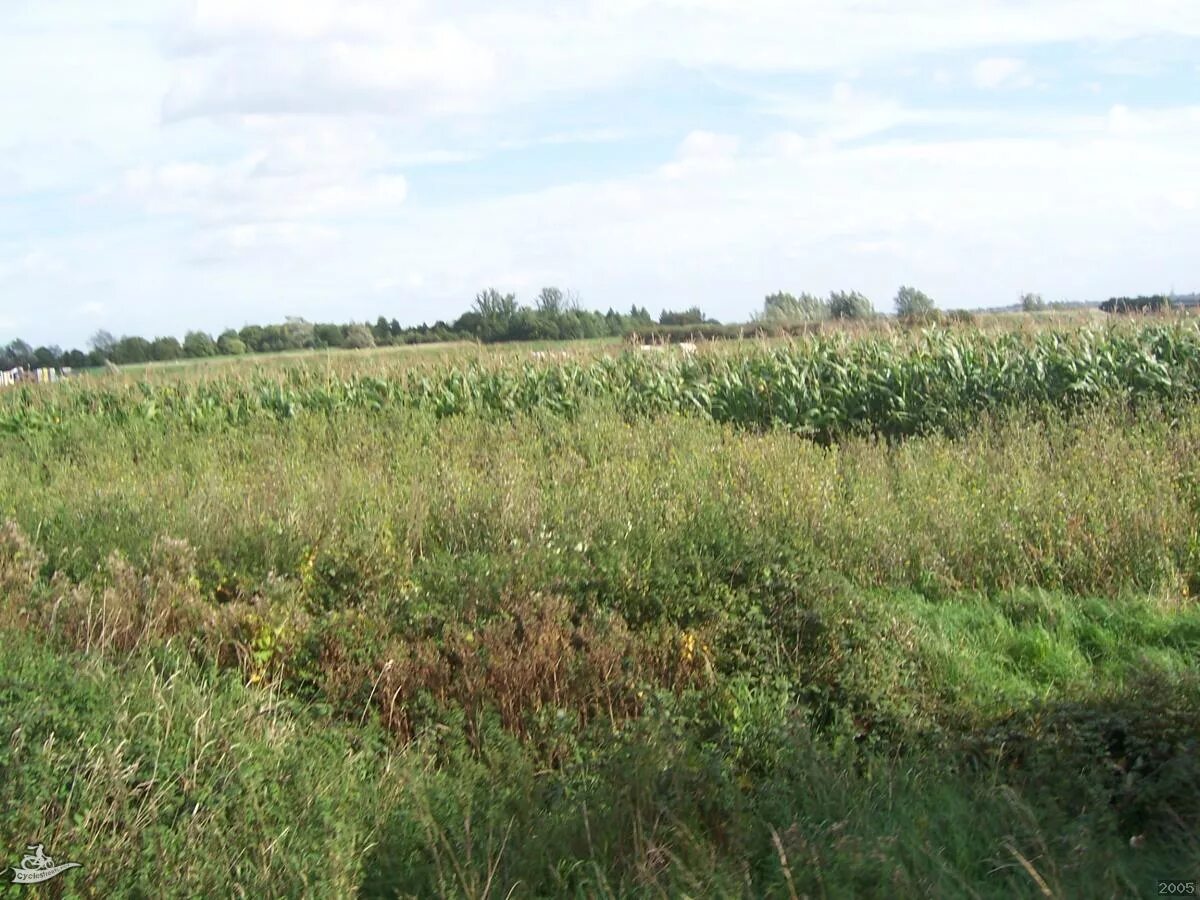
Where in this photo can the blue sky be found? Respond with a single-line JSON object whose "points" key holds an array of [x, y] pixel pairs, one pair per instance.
{"points": [[174, 165]]}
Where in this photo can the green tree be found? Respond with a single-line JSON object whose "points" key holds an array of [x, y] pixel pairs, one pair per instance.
{"points": [[491, 304], [166, 348], [692, 316], [16, 354], [229, 344], [103, 343], [198, 344], [850, 305], [550, 302], [913, 305], [382, 331], [47, 357], [1032, 302], [327, 335], [358, 337], [131, 350], [298, 333], [783, 307], [253, 336]]}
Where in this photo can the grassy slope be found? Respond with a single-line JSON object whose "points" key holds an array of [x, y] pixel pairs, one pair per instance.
{"points": [[402, 656]]}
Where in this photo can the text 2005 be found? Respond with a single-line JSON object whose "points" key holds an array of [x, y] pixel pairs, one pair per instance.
{"points": [[1177, 888]]}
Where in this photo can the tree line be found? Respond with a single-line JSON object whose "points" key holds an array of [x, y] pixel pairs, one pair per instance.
{"points": [[494, 317]]}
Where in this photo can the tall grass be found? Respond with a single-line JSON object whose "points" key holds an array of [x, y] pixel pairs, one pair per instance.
{"points": [[582, 649]]}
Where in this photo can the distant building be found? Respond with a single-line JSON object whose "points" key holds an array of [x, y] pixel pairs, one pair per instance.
{"points": [[12, 377]]}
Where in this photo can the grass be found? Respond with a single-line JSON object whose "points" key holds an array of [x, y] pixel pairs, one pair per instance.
{"points": [[383, 652]]}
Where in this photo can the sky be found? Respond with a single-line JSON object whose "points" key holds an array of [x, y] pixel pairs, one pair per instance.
{"points": [[168, 166]]}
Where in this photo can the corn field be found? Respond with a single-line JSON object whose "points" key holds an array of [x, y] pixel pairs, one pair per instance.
{"points": [[825, 386]]}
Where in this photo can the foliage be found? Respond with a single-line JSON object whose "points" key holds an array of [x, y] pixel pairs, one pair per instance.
{"points": [[1156, 303], [492, 626], [913, 305], [825, 386], [358, 337], [782, 307], [197, 344], [1032, 303], [692, 316], [850, 305], [229, 344]]}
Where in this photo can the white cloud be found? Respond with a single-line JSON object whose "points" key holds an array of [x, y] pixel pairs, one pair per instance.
{"points": [[703, 152], [339, 158], [254, 239], [999, 71], [300, 171], [418, 59]]}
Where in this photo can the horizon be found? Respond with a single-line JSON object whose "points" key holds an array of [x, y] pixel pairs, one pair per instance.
{"points": [[171, 166]]}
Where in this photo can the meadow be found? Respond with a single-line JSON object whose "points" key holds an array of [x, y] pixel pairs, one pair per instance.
{"points": [[902, 614]]}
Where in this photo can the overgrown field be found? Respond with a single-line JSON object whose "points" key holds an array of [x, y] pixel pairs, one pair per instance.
{"points": [[614, 627]]}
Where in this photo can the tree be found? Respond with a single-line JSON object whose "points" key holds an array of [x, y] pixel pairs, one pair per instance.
{"points": [[130, 350], [166, 348], [103, 343], [550, 302], [491, 304], [358, 337], [76, 359], [16, 354], [382, 331], [783, 307], [850, 305], [1032, 302], [252, 336], [298, 333], [229, 344], [1155, 303], [327, 335], [468, 323], [693, 316], [198, 344], [47, 357], [913, 305]]}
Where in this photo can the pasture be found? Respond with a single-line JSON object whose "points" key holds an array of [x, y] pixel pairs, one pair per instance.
{"points": [[892, 613]]}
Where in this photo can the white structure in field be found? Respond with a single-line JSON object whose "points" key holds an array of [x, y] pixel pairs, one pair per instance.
{"points": [[30, 376]]}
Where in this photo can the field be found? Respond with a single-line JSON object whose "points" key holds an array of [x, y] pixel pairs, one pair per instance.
{"points": [[882, 614]]}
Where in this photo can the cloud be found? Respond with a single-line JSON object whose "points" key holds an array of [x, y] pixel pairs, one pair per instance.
{"points": [[310, 172], [262, 241], [323, 58], [1000, 71], [703, 152], [417, 60], [343, 158]]}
